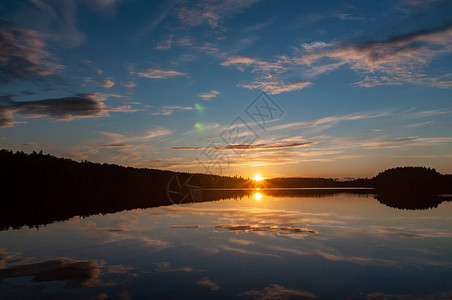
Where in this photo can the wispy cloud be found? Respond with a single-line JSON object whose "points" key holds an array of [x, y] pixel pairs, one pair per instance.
{"points": [[129, 84], [394, 61], [331, 120], [396, 58], [106, 83], [165, 44], [111, 146], [210, 95], [269, 74], [210, 12], [23, 54], [157, 73], [241, 62], [169, 109], [111, 138]]}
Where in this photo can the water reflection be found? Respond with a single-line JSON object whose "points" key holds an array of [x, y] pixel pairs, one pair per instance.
{"points": [[411, 200], [330, 244], [42, 210], [257, 196]]}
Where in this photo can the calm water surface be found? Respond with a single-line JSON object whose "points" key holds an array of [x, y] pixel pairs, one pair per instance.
{"points": [[342, 246]]}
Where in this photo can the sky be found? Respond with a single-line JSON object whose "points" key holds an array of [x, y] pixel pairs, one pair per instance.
{"points": [[280, 88]]}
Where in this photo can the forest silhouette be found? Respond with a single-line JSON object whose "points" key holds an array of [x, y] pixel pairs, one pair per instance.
{"points": [[39, 189]]}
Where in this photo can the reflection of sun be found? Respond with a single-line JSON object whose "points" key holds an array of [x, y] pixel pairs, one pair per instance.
{"points": [[258, 196], [258, 177]]}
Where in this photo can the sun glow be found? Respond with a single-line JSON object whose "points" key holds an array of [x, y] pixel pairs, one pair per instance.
{"points": [[258, 196], [258, 177]]}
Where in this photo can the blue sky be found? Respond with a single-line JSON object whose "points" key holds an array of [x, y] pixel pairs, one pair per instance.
{"points": [[351, 88]]}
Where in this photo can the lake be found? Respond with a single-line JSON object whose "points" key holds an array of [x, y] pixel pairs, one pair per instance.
{"points": [[258, 245]]}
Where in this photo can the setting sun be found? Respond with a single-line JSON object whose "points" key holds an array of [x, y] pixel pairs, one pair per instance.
{"points": [[258, 177]]}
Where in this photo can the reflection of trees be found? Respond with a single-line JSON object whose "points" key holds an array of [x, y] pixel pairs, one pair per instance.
{"points": [[410, 200]]}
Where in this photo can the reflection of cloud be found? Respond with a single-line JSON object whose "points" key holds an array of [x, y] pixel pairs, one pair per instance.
{"points": [[397, 231], [76, 273], [185, 226], [165, 266], [368, 261], [252, 228], [383, 296], [101, 296], [8, 257], [206, 282], [106, 229], [241, 242], [158, 73], [271, 228], [247, 251], [261, 217], [276, 291], [404, 233], [278, 145]]}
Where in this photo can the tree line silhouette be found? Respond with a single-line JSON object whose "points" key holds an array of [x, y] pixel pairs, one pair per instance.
{"points": [[39, 188]]}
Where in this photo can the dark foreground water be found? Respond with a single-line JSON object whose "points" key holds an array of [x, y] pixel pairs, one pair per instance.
{"points": [[341, 246]]}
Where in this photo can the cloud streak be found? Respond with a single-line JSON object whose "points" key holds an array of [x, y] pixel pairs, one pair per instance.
{"points": [[331, 120], [277, 87], [157, 73], [61, 109], [168, 110], [279, 145]]}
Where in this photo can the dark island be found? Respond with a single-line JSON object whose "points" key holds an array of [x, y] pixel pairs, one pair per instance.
{"points": [[39, 189]]}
